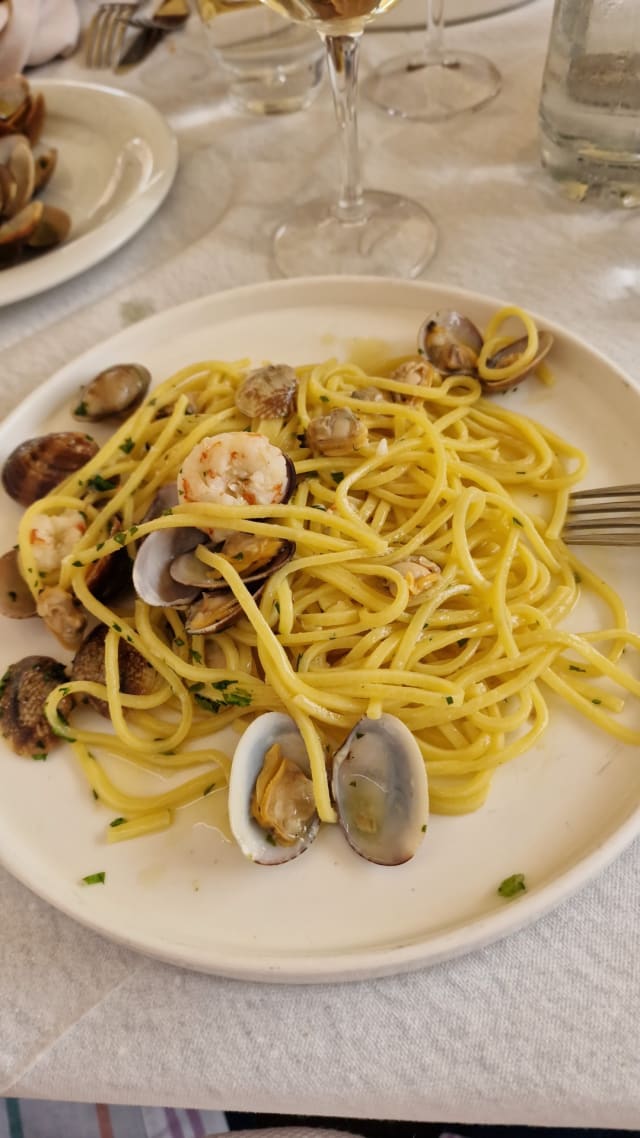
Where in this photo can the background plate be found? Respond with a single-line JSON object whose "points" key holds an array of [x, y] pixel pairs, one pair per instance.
{"points": [[557, 814], [110, 196]]}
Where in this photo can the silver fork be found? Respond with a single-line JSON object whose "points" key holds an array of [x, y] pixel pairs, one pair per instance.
{"points": [[608, 515], [105, 34]]}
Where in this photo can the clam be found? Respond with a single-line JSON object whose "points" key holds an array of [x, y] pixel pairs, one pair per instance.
{"points": [[214, 611], [252, 556], [337, 434], [115, 391], [450, 341], [368, 394], [25, 687], [419, 373], [16, 599], [40, 464], [268, 392], [271, 804], [63, 615], [419, 572], [52, 228], [137, 676], [152, 579], [510, 355], [167, 572], [110, 574], [17, 158], [379, 785]]}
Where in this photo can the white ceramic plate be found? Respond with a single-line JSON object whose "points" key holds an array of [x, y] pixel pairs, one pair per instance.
{"points": [[558, 814], [410, 14], [117, 158]]}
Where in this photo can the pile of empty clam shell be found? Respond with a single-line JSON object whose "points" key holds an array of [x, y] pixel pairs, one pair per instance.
{"points": [[27, 225]]}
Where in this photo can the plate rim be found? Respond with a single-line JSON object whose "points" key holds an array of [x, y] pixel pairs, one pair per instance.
{"points": [[345, 965], [76, 257]]}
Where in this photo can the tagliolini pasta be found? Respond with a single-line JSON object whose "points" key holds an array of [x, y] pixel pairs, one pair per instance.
{"points": [[345, 629]]}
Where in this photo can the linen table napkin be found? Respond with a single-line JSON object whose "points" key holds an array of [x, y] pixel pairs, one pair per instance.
{"points": [[33, 32]]}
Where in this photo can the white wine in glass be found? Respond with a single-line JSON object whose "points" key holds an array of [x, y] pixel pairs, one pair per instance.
{"points": [[358, 231], [433, 83]]}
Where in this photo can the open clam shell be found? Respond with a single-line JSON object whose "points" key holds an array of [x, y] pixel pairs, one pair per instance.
{"points": [[255, 842], [509, 355], [379, 785], [450, 341], [152, 580]]}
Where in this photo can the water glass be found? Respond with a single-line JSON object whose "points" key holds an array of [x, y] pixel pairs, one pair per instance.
{"points": [[272, 66]]}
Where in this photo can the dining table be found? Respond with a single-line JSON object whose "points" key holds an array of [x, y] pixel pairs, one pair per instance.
{"points": [[538, 1028]]}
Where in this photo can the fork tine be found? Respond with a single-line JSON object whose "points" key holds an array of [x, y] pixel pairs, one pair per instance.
{"points": [[607, 515], [106, 33]]}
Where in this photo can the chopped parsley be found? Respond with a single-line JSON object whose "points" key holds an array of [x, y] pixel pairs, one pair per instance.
{"points": [[100, 483], [81, 410], [597, 702], [117, 822], [94, 878], [127, 446], [449, 699], [39, 756], [511, 886], [337, 476]]}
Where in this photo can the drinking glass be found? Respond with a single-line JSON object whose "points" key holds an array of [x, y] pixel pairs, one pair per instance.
{"points": [[358, 231], [433, 83]]}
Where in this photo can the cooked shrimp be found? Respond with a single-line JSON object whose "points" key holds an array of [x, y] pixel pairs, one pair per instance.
{"points": [[53, 536], [233, 468]]}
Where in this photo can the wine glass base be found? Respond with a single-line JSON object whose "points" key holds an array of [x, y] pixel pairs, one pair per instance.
{"points": [[415, 87], [395, 237]]}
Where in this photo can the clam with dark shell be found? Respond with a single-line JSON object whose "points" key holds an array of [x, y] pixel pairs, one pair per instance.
{"points": [[137, 676], [40, 464]]}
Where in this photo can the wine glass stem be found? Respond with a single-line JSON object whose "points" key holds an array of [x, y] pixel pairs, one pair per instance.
{"points": [[434, 33], [342, 59]]}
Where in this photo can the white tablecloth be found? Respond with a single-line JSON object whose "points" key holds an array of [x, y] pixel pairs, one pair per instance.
{"points": [[543, 1028]]}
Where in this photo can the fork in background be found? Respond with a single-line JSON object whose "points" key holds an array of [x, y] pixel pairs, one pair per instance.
{"points": [[608, 515], [105, 34]]}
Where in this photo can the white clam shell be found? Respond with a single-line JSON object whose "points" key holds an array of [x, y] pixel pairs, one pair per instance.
{"points": [[273, 727], [380, 790]]}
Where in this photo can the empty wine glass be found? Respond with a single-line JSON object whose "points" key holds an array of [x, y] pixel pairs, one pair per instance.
{"points": [[358, 231], [433, 83]]}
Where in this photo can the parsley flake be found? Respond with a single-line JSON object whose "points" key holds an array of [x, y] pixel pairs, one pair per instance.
{"points": [[511, 886], [94, 878]]}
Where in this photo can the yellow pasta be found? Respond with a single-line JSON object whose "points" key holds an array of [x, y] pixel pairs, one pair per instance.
{"points": [[342, 630]]}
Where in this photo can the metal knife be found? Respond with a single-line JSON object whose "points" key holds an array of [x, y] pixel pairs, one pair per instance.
{"points": [[150, 32]]}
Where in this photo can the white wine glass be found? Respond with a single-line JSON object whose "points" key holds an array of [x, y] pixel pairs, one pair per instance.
{"points": [[358, 230], [433, 83]]}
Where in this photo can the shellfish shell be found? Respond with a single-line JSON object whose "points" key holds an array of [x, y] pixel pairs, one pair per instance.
{"points": [[255, 843], [40, 464]]}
